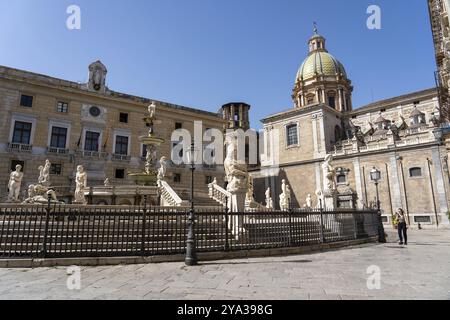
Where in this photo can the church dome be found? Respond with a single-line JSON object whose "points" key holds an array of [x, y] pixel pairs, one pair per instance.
{"points": [[320, 63]]}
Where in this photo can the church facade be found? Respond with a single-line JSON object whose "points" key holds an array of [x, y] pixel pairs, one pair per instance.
{"points": [[395, 136]]}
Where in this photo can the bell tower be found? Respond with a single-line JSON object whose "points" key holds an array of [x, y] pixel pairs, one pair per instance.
{"points": [[236, 115]]}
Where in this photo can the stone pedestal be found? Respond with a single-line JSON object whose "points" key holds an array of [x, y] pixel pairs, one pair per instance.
{"points": [[236, 203], [330, 199]]}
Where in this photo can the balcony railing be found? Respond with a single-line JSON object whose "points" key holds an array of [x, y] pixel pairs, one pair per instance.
{"points": [[58, 151], [19, 147], [121, 157], [92, 154]]}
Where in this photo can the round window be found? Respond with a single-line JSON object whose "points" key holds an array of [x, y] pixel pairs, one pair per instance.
{"points": [[94, 111]]}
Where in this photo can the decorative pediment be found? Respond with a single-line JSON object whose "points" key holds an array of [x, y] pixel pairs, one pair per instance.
{"points": [[97, 77]]}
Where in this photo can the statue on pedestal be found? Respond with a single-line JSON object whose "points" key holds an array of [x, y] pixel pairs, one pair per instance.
{"points": [[237, 177], [285, 196], [329, 175], [329, 193], [162, 168], [80, 185], [269, 201], [236, 173], [309, 201], [44, 174], [15, 181], [39, 194]]}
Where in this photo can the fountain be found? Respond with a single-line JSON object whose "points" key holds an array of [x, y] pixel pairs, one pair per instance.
{"points": [[149, 177]]}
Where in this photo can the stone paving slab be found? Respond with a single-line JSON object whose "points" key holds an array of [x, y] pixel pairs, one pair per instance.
{"points": [[418, 271]]}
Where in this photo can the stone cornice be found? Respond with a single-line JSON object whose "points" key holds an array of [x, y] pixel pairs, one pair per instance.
{"points": [[21, 76]]}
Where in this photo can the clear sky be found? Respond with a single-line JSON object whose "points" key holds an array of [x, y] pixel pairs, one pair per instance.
{"points": [[204, 53]]}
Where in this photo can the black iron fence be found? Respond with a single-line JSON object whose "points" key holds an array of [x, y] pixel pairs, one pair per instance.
{"points": [[87, 231]]}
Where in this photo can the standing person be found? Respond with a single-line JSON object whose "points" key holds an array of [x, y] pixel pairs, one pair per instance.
{"points": [[402, 226]]}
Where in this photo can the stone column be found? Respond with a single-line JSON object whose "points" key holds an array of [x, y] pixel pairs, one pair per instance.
{"points": [[315, 136], [358, 182], [322, 141], [395, 183], [341, 100], [440, 188]]}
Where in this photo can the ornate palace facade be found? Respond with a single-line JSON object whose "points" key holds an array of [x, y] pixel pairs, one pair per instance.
{"points": [[87, 124]]}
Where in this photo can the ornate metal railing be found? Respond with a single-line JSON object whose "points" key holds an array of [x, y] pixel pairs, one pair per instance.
{"points": [[93, 231]]}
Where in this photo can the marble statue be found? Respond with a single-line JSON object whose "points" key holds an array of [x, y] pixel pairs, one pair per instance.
{"points": [[250, 190], [44, 174], [39, 194], [80, 185], [320, 199], [284, 196], [288, 195], [151, 118], [235, 173], [162, 168], [329, 174], [237, 177], [309, 201], [269, 201], [151, 154], [15, 181]]}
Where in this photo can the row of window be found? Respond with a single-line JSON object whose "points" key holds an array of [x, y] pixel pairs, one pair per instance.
{"points": [[58, 139], [63, 107], [415, 172]]}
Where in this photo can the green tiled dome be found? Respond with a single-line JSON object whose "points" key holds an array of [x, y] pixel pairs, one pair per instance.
{"points": [[321, 63]]}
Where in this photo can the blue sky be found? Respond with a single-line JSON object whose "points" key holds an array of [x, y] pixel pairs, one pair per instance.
{"points": [[204, 53]]}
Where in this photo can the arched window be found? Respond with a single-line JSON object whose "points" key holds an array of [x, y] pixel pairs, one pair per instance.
{"points": [[415, 172], [332, 101]]}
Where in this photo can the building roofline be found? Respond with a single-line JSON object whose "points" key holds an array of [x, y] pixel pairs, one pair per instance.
{"points": [[22, 75], [296, 111], [394, 100]]}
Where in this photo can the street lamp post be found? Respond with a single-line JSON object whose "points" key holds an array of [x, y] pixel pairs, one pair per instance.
{"points": [[191, 251], [375, 176]]}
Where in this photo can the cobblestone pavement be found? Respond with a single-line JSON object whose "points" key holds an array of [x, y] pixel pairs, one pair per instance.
{"points": [[419, 271]]}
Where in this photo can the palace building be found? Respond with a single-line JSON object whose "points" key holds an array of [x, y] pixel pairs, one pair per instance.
{"points": [[89, 124]]}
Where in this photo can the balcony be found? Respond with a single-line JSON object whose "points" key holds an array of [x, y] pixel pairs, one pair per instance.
{"points": [[19, 147], [92, 154], [57, 151], [121, 157]]}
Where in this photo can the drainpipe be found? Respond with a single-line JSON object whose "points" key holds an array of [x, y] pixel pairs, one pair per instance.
{"points": [[365, 186], [432, 192]]}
